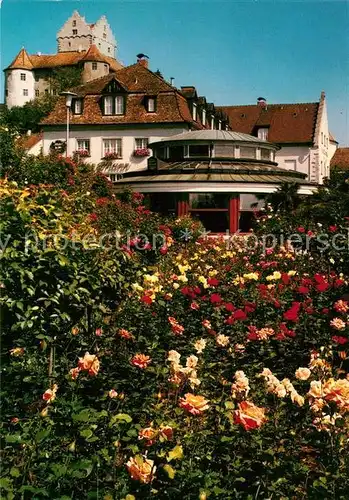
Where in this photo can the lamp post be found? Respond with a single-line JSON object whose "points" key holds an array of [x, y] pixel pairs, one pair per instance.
{"points": [[68, 101]]}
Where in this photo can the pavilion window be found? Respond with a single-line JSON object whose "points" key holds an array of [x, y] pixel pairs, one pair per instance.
{"points": [[248, 152], [199, 150]]}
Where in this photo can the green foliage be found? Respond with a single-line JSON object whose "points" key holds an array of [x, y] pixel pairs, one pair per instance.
{"points": [[65, 78], [29, 116]]}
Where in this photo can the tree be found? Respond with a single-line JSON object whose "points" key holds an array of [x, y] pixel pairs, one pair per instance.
{"points": [[286, 199], [29, 116], [65, 78]]}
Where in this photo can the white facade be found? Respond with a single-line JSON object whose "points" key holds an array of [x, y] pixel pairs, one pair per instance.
{"points": [[313, 160], [19, 87], [96, 137], [77, 34]]}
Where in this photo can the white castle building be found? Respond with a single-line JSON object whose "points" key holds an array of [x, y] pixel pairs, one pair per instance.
{"points": [[91, 47]]}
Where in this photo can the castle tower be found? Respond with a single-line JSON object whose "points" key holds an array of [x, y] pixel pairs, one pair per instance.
{"points": [[95, 65], [19, 80], [78, 35]]}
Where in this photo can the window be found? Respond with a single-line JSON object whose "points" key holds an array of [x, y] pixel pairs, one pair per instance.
{"points": [[6, 92], [94, 66], [112, 146], [142, 143], [25, 92], [194, 112], [77, 106], [262, 134], [114, 105], [109, 50], [151, 104], [212, 122], [23, 77], [119, 105], [250, 206], [75, 32], [69, 44], [83, 145], [247, 152], [106, 68], [37, 93], [203, 117], [46, 91], [322, 137], [74, 23], [199, 150], [104, 35], [211, 209], [113, 177], [265, 154]]}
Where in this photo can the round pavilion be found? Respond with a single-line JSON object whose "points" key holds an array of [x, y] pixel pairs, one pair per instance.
{"points": [[215, 175]]}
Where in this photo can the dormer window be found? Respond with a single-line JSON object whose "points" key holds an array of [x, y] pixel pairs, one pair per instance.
{"points": [[203, 117], [150, 104], [262, 134], [77, 106], [114, 105], [212, 122], [194, 112]]}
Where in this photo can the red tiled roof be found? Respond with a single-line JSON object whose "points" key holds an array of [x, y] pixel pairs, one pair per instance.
{"points": [[287, 123], [138, 82], [93, 54], [341, 158], [35, 61], [28, 141], [21, 61]]}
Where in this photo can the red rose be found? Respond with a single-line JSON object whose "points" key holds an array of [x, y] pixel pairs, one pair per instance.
{"points": [[301, 229], [215, 298], [229, 307], [332, 229], [340, 340], [303, 290], [213, 281], [239, 314], [146, 299]]}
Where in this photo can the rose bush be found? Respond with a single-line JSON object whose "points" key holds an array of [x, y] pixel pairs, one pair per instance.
{"points": [[199, 370]]}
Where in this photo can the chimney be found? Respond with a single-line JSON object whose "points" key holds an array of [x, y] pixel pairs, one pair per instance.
{"points": [[142, 59], [261, 101]]}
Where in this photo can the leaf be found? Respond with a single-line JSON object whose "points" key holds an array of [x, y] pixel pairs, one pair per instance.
{"points": [[15, 472], [13, 438], [59, 470], [41, 435], [83, 416], [124, 417], [86, 433], [170, 471], [175, 454], [6, 483]]}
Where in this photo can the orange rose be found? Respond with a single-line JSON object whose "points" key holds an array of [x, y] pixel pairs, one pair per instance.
{"points": [[195, 405], [249, 415], [112, 393], [141, 469], [50, 394], [141, 360], [74, 372], [303, 373], [166, 432], [125, 334], [90, 363], [17, 351], [148, 434]]}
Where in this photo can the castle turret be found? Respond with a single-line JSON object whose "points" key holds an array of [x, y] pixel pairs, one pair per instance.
{"points": [[95, 65], [19, 80]]}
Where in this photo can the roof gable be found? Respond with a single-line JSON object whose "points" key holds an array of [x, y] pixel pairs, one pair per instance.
{"points": [[287, 123], [21, 61]]}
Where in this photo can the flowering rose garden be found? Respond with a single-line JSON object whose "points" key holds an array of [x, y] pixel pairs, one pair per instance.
{"points": [[178, 367]]}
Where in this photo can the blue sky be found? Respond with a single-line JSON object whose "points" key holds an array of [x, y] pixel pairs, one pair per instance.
{"points": [[232, 51]]}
